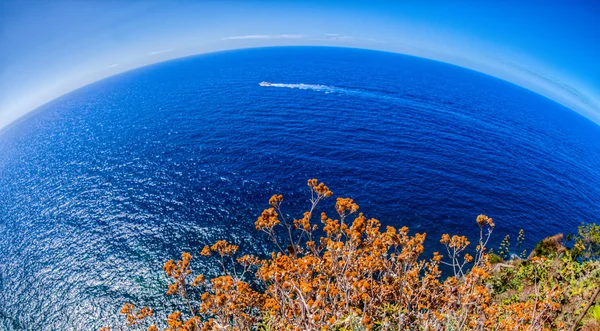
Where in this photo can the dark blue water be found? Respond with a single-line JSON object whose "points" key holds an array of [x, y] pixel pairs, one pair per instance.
{"points": [[100, 187]]}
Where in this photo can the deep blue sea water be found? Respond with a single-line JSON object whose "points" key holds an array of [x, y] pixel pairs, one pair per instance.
{"points": [[101, 186]]}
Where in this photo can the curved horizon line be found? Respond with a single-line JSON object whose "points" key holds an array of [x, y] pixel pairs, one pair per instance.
{"points": [[32, 111]]}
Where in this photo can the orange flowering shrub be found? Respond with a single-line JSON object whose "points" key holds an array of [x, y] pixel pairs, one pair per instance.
{"points": [[347, 272], [135, 318]]}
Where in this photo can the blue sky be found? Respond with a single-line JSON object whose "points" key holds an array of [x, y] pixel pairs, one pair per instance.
{"points": [[49, 48]]}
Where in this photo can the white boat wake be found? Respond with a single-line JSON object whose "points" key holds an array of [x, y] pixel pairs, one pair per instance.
{"points": [[345, 91], [314, 87]]}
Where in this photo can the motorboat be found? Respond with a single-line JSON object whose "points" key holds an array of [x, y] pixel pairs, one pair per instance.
{"points": [[265, 84]]}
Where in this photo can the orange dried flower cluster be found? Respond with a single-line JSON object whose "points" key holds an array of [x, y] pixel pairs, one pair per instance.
{"points": [[355, 275], [178, 271], [345, 207], [319, 188], [230, 301], [134, 318], [175, 323], [221, 247], [276, 200], [267, 220]]}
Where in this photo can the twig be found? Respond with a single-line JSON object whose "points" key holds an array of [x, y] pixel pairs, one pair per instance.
{"points": [[585, 310]]}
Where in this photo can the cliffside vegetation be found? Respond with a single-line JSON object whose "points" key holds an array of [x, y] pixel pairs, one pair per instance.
{"points": [[347, 272]]}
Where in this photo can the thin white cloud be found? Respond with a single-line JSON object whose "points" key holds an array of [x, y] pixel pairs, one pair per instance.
{"points": [[266, 36], [325, 37], [113, 65], [338, 37], [162, 51]]}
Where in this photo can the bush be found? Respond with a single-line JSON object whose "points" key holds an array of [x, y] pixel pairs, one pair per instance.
{"points": [[587, 242], [493, 258], [550, 247], [349, 273]]}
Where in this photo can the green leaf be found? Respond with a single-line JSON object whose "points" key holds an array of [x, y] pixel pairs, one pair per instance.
{"points": [[596, 312]]}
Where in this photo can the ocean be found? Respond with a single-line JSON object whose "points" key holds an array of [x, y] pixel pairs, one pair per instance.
{"points": [[100, 187]]}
